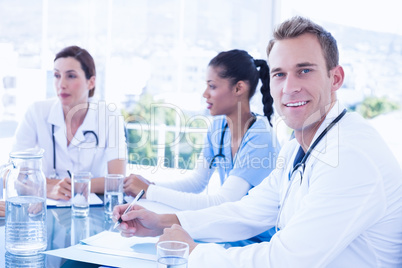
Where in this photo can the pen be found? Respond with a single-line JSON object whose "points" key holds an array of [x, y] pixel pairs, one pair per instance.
{"points": [[69, 173], [129, 208]]}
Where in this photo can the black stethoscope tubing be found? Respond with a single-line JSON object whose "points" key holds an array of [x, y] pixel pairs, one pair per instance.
{"points": [[54, 144], [220, 153], [302, 163]]}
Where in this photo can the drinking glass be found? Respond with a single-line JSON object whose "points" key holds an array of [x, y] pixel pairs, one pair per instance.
{"points": [[80, 191], [172, 254], [113, 192]]}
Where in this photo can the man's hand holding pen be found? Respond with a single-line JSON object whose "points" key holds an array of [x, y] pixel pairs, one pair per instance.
{"points": [[137, 222], [141, 222], [134, 220]]}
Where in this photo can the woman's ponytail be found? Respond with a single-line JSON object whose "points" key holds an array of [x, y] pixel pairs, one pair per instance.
{"points": [[267, 99]]}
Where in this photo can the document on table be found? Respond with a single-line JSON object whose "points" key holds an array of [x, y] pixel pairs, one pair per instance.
{"points": [[141, 247], [94, 200], [108, 247]]}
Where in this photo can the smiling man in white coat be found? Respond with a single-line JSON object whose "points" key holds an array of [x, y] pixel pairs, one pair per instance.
{"points": [[335, 196]]}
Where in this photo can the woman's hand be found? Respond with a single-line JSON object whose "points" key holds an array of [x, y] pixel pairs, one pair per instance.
{"points": [[133, 184], [177, 233], [58, 189]]}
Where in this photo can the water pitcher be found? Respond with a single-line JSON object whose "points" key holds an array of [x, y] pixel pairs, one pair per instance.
{"points": [[25, 197]]}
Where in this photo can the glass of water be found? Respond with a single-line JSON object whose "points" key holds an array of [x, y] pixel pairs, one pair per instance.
{"points": [[80, 191], [172, 254], [113, 192]]}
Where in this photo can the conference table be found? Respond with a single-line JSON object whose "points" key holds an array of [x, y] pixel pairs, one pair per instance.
{"points": [[63, 231]]}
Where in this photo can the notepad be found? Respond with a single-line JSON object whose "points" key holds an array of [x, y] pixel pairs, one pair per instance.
{"points": [[142, 247], [110, 248], [94, 200]]}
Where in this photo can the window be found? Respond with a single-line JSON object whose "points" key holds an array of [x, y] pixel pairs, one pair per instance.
{"points": [[162, 47]]}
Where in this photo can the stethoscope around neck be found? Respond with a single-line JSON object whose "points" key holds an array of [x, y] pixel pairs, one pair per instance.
{"points": [[55, 175], [220, 152], [299, 167]]}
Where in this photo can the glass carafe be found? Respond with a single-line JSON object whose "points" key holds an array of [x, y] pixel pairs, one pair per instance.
{"points": [[25, 197], [31, 261]]}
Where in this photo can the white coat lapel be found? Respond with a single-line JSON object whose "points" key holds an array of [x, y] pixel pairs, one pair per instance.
{"points": [[61, 160], [56, 118], [89, 125]]}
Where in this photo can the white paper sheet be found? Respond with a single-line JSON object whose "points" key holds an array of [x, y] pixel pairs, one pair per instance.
{"points": [[110, 248], [94, 200], [107, 248], [114, 241], [77, 253]]}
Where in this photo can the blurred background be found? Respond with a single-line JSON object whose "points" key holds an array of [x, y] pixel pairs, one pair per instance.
{"points": [[151, 58]]}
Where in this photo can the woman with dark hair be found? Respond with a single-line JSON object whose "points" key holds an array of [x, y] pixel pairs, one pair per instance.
{"points": [[239, 144], [77, 133]]}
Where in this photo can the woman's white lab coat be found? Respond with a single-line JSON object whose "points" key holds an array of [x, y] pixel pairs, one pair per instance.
{"points": [[82, 154]]}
